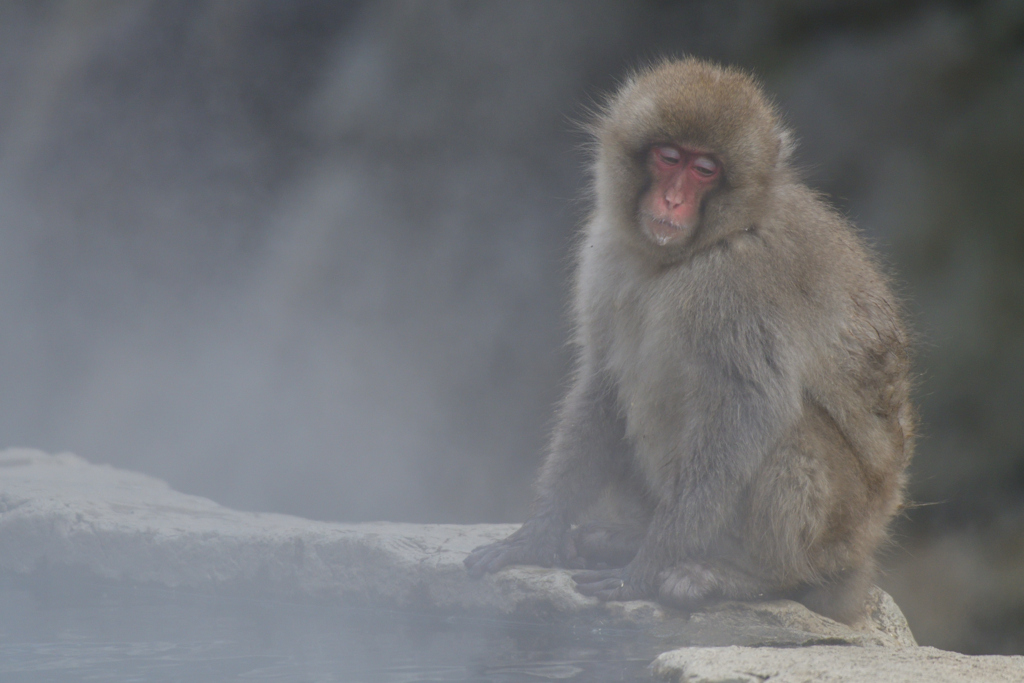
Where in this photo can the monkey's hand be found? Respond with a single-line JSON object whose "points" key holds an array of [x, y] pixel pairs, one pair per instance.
{"points": [[539, 541], [611, 584]]}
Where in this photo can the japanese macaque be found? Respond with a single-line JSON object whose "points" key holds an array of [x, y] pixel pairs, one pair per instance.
{"points": [[742, 373]]}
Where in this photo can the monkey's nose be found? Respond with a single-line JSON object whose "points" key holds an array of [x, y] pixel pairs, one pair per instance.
{"points": [[675, 199]]}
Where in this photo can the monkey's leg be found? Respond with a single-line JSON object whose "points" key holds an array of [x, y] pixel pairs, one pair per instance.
{"points": [[586, 453], [815, 521], [775, 546], [796, 539]]}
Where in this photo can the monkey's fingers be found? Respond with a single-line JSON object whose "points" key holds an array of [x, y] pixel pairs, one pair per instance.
{"points": [[488, 559], [605, 584]]}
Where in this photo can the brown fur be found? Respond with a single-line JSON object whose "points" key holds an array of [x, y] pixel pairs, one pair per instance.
{"points": [[747, 389]]}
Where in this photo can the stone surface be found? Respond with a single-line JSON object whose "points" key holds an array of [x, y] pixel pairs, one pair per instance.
{"points": [[833, 664], [60, 512], [784, 623]]}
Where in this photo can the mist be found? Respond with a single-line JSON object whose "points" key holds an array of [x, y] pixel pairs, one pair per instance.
{"points": [[314, 257]]}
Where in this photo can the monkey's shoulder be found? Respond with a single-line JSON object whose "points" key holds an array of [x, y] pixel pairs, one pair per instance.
{"points": [[803, 250], [828, 285]]}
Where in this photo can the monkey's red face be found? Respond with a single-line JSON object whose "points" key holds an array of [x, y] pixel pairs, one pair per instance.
{"points": [[681, 177]]}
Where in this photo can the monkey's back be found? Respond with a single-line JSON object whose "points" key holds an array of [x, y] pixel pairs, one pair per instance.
{"points": [[857, 421]]}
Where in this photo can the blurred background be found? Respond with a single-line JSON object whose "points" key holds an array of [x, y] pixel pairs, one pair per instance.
{"points": [[312, 257]]}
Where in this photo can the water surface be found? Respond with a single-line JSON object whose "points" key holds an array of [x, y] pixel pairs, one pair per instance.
{"points": [[58, 630]]}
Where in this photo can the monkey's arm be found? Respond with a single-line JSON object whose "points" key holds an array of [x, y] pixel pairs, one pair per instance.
{"points": [[585, 453]]}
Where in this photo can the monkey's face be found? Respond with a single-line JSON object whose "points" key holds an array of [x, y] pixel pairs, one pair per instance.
{"points": [[680, 178]]}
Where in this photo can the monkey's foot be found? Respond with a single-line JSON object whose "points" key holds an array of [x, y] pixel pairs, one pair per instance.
{"points": [[689, 584], [608, 584]]}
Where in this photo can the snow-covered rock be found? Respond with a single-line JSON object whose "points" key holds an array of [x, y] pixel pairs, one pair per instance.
{"points": [[59, 511]]}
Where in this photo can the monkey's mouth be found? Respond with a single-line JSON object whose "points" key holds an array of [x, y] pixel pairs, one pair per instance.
{"points": [[662, 230]]}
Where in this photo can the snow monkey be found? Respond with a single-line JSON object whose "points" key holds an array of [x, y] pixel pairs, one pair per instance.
{"points": [[742, 375]]}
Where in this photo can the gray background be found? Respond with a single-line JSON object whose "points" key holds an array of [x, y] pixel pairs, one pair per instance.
{"points": [[311, 257]]}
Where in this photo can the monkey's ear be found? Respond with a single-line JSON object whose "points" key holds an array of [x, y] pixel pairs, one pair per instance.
{"points": [[787, 144]]}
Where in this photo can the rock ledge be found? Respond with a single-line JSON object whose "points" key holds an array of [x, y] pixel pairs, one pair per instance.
{"points": [[831, 664], [61, 512]]}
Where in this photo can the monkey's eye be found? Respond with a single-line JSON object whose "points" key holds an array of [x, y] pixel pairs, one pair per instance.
{"points": [[668, 155], [705, 166]]}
